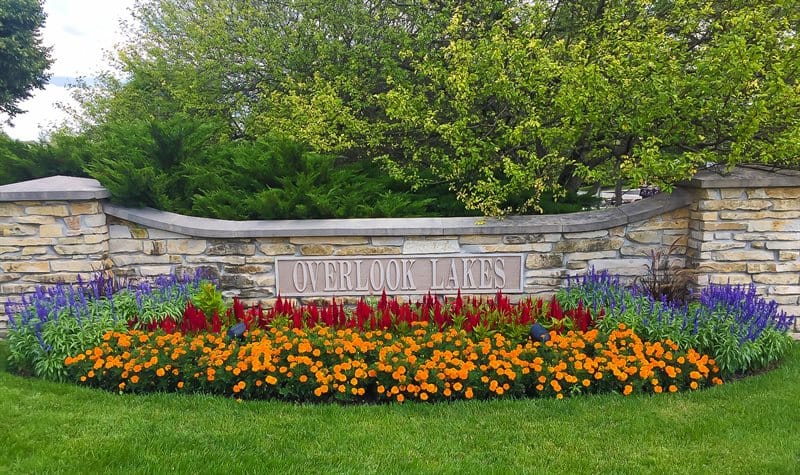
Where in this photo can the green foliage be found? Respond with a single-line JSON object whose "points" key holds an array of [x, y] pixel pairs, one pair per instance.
{"points": [[208, 299], [505, 102], [42, 353], [23, 58], [20, 161]]}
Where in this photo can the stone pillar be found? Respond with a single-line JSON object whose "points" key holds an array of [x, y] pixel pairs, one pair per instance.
{"points": [[51, 230], [744, 227]]}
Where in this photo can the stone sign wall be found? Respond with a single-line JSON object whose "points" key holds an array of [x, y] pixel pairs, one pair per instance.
{"points": [[743, 227]]}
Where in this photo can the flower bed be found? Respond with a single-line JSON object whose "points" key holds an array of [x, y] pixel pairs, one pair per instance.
{"points": [[426, 364], [179, 335]]}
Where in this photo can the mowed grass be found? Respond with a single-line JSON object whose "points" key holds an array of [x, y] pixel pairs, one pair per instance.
{"points": [[747, 426]]}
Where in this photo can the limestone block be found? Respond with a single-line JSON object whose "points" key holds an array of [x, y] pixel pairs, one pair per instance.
{"points": [[516, 239], [94, 220], [9, 249], [35, 219], [124, 245], [721, 245], [544, 261], [782, 278], [783, 192], [786, 205], [33, 250], [226, 248], [186, 246], [79, 249], [10, 209], [723, 226], [246, 269], [785, 290], [155, 247], [95, 238], [766, 236], [47, 210], [149, 271], [117, 231], [722, 267], [95, 230], [679, 240], [644, 237], [138, 233], [331, 240], [787, 267], [73, 222], [26, 267], [736, 194], [744, 255], [85, 207], [550, 273], [276, 249], [587, 235], [580, 245], [15, 229], [533, 247], [367, 250], [788, 245], [29, 241], [577, 265], [710, 194], [733, 279], [123, 260], [424, 246], [175, 259], [655, 225], [704, 215], [639, 250], [481, 239], [316, 250], [51, 230], [259, 260], [161, 234], [232, 260], [585, 256], [543, 281], [755, 268], [388, 240], [788, 255], [751, 215], [768, 225], [236, 281], [735, 205], [76, 265], [758, 245], [625, 267]]}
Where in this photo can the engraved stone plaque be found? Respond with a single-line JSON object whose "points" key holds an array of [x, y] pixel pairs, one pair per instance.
{"points": [[327, 276]]}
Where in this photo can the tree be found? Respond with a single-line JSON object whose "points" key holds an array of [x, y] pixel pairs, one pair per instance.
{"points": [[23, 58], [503, 100]]}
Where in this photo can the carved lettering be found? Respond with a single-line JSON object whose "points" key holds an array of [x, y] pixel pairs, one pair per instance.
{"points": [[403, 275]]}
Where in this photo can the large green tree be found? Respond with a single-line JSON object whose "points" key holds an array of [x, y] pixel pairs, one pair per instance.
{"points": [[503, 100], [23, 58]]}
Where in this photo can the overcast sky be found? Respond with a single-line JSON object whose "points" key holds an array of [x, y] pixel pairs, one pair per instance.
{"points": [[81, 32]]}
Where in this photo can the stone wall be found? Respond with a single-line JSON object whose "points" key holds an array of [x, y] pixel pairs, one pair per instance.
{"points": [[740, 228]]}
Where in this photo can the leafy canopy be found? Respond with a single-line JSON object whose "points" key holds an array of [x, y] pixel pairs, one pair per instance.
{"points": [[504, 101], [23, 58]]}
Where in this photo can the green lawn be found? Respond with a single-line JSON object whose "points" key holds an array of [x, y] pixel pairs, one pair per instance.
{"points": [[749, 426]]}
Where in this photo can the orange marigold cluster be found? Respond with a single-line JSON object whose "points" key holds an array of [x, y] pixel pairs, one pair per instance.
{"points": [[425, 364]]}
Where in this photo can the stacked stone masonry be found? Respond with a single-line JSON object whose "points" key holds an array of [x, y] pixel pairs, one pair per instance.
{"points": [[743, 227]]}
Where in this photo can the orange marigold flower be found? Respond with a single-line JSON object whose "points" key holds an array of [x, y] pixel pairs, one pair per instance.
{"points": [[160, 372], [628, 389], [559, 396], [586, 383], [272, 380], [673, 388], [134, 379], [658, 389]]}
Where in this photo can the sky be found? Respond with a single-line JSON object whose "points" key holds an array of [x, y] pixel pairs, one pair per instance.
{"points": [[81, 33]]}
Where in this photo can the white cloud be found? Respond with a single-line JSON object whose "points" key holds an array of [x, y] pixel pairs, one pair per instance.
{"points": [[81, 33]]}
